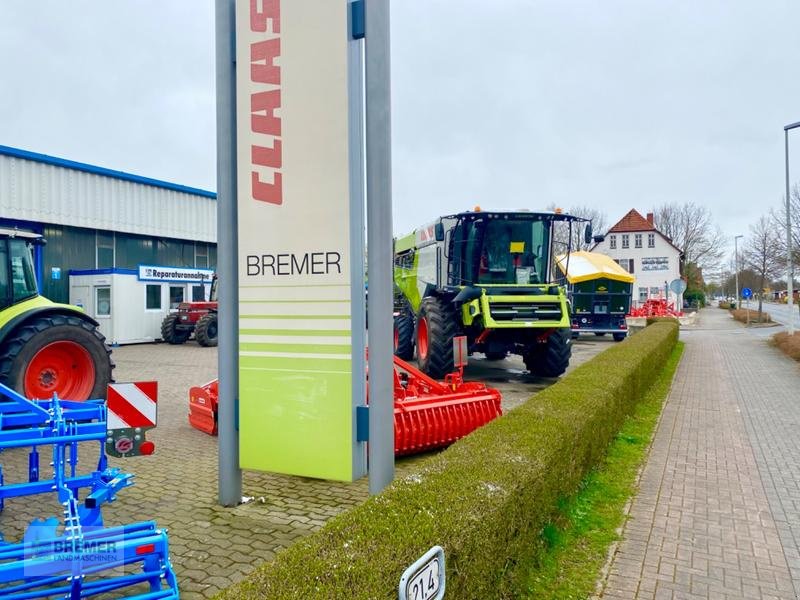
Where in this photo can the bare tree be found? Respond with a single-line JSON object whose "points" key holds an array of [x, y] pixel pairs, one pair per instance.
{"points": [[764, 254], [779, 217], [576, 241], [693, 231]]}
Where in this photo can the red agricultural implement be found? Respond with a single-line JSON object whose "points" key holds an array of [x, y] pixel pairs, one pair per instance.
{"points": [[655, 307], [428, 414]]}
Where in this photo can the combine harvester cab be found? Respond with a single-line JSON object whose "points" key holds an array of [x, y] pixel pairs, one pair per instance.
{"points": [[488, 276], [75, 556], [599, 292]]}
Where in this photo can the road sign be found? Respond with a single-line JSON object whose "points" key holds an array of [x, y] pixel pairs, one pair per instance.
{"points": [[132, 404], [424, 580], [678, 286], [747, 293]]}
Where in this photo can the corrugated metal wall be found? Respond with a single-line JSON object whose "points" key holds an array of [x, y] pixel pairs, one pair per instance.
{"points": [[46, 193], [75, 248]]}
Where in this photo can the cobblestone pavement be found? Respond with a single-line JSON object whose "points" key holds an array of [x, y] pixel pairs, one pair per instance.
{"points": [[718, 510], [210, 546]]}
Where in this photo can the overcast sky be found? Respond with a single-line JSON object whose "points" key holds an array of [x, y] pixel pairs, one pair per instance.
{"points": [[506, 104]]}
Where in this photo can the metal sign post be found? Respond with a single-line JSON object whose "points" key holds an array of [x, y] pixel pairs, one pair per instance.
{"points": [[379, 244], [230, 475]]}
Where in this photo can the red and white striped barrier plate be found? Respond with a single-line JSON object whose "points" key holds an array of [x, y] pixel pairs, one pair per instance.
{"points": [[132, 404]]}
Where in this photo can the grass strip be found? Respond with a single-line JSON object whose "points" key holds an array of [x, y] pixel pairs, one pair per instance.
{"points": [[578, 540]]}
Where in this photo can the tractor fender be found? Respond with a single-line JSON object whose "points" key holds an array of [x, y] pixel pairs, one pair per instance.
{"points": [[42, 311]]}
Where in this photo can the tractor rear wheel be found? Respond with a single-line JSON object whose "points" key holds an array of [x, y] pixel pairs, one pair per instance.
{"points": [[436, 328], [404, 336], [551, 359], [58, 354], [170, 334], [205, 332]]}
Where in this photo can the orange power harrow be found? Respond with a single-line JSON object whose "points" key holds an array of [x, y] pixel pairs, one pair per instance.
{"points": [[428, 414]]}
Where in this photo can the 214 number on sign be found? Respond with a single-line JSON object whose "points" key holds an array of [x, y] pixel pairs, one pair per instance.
{"points": [[425, 584]]}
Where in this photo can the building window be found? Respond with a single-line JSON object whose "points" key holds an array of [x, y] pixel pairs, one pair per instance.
{"points": [[625, 263], [642, 294], [626, 241], [153, 296], [102, 301], [198, 293], [176, 295], [104, 242], [651, 240], [637, 240], [612, 242], [200, 255], [655, 292]]}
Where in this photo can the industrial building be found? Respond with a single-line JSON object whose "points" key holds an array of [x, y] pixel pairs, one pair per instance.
{"points": [[103, 224]]}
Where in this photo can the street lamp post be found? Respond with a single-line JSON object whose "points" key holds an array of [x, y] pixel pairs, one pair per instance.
{"points": [[789, 261], [736, 260]]}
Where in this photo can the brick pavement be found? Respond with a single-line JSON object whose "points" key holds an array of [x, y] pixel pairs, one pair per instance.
{"points": [[718, 509], [211, 547]]}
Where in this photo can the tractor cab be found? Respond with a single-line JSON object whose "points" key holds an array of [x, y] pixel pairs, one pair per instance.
{"points": [[17, 272]]}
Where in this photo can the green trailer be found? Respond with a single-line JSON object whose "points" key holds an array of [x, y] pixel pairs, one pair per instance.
{"points": [[599, 293]]}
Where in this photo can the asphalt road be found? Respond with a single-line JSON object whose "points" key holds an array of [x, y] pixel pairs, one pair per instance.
{"points": [[778, 312]]}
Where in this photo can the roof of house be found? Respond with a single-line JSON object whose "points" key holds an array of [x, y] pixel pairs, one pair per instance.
{"points": [[633, 221], [586, 266]]}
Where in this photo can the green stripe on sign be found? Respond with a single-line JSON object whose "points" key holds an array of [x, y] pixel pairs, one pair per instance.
{"points": [[299, 363], [298, 332], [281, 317], [296, 348]]}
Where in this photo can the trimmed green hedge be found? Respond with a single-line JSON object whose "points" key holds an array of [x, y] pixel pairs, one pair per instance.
{"points": [[485, 499]]}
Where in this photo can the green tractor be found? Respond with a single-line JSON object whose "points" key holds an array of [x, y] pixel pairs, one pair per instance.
{"points": [[488, 276], [45, 348]]}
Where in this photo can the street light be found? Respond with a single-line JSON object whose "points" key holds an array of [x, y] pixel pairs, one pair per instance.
{"points": [[789, 261], [736, 258]]}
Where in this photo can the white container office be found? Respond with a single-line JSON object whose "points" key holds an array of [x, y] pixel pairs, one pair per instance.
{"points": [[130, 304]]}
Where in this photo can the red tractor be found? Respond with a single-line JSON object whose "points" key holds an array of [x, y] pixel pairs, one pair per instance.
{"points": [[197, 317]]}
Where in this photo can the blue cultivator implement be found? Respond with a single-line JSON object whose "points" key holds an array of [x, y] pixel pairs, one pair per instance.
{"points": [[78, 557]]}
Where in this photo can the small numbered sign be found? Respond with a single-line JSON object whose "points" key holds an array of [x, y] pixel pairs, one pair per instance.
{"points": [[424, 580]]}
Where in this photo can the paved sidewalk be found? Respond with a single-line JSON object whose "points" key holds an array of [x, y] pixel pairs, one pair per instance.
{"points": [[718, 510]]}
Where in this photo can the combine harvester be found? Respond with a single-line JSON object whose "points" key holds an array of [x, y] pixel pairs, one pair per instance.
{"points": [[428, 414], [78, 557]]}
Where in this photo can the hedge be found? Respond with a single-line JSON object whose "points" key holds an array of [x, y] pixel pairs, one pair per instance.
{"points": [[485, 499]]}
